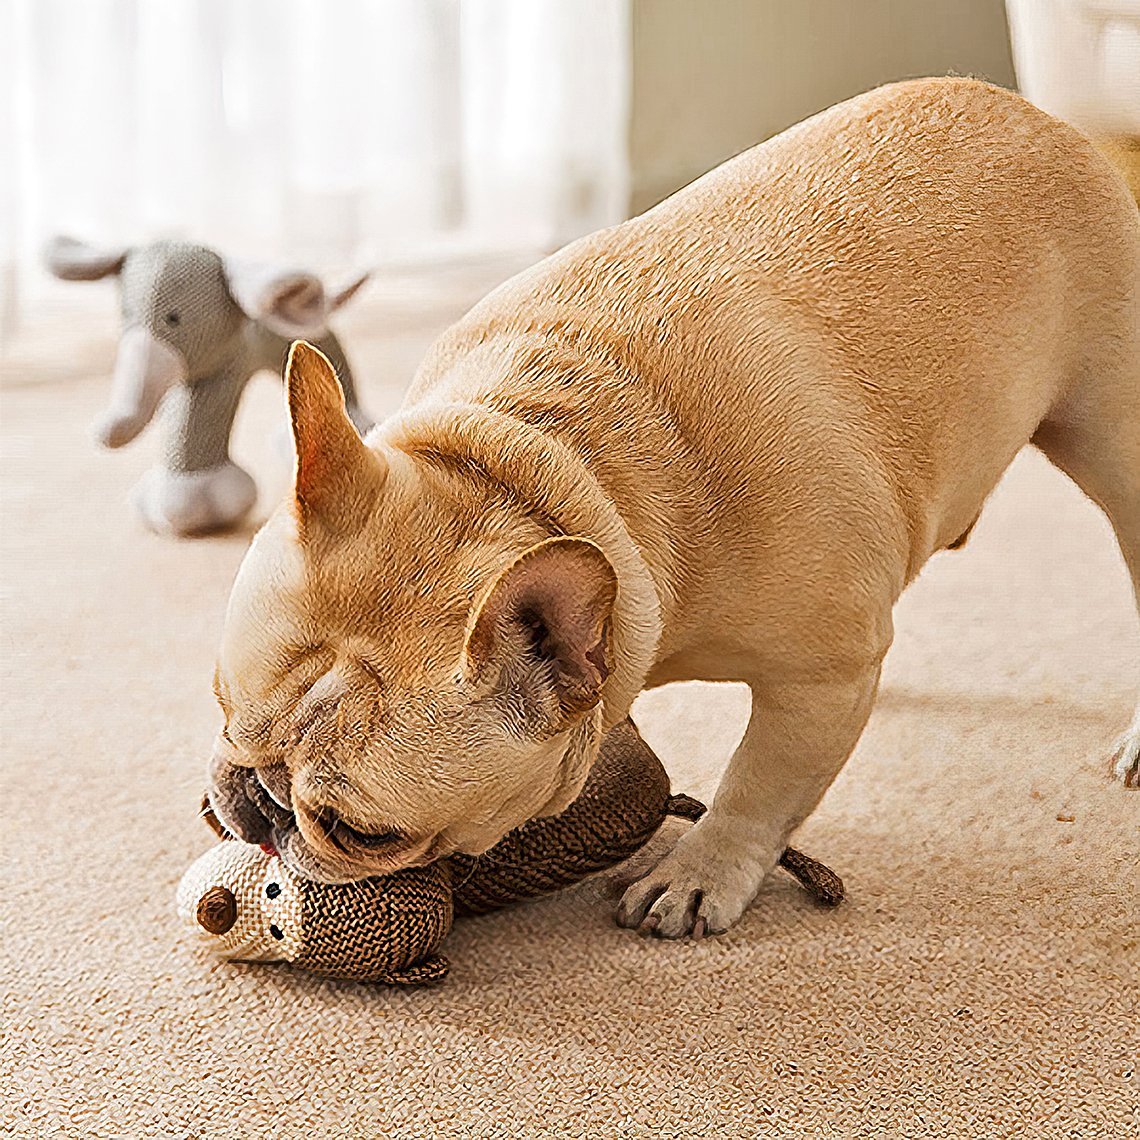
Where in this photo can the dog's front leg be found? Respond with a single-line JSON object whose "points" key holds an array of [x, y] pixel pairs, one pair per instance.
{"points": [[798, 737]]}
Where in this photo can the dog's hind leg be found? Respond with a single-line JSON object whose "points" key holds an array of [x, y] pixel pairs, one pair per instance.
{"points": [[1094, 437]]}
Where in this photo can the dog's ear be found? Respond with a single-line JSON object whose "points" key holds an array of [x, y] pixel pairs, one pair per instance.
{"points": [[543, 630], [337, 476]]}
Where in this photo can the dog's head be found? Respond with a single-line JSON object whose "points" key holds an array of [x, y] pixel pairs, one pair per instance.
{"points": [[423, 661]]}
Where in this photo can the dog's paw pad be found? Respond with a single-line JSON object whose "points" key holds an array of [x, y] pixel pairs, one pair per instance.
{"points": [[680, 908], [691, 893]]}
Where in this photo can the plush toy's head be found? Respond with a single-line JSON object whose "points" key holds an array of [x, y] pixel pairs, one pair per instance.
{"points": [[247, 906]]}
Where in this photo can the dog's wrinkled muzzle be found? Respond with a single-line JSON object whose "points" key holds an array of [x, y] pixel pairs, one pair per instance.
{"points": [[251, 803]]}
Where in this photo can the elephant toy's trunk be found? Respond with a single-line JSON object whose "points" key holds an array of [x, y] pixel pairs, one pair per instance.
{"points": [[145, 370]]}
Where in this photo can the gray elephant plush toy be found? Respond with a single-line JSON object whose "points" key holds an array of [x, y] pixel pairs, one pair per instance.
{"points": [[196, 327]]}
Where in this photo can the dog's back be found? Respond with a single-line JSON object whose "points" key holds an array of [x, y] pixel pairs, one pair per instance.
{"points": [[711, 443], [930, 265]]}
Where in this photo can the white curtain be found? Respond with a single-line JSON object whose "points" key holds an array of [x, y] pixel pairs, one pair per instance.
{"points": [[313, 131]]}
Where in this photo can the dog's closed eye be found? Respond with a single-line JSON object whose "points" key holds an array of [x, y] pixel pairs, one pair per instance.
{"points": [[350, 840]]}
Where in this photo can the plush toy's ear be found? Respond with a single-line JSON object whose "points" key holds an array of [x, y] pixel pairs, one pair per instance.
{"points": [[543, 629], [337, 475], [72, 260], [291, 302]]}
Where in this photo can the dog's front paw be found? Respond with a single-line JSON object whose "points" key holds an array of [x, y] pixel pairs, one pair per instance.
{"points": [[702, 886], [1125, 758]]}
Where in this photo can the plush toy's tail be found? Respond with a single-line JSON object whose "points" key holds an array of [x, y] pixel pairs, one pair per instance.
{"points": [[685, 807], [821, 882]]}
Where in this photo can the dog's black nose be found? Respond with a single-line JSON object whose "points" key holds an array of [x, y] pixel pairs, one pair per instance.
{"points": [[231, 792]]}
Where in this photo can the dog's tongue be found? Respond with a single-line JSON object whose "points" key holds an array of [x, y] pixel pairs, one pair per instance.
{"points": [[269, 849]]}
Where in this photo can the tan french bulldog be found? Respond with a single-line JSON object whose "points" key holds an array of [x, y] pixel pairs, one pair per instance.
{"points": [[716, 441]]}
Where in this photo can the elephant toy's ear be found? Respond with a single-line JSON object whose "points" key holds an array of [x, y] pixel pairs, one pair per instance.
{"points": [[72, 260], [344, 293], [291, 302]]}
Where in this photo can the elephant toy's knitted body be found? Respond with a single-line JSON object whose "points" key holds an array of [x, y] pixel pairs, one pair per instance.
{"points": [[195, 329]]}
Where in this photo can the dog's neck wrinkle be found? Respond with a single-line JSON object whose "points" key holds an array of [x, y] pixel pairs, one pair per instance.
{"points": [[471, 469], [553, 485], [576, 385]]}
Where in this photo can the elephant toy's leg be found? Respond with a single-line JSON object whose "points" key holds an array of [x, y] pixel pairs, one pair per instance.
{"points": [[197, 488]]}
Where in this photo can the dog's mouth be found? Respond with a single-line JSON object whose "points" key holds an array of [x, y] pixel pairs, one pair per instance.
{"points": [[255, 805], [300, 856], [339, 845]]}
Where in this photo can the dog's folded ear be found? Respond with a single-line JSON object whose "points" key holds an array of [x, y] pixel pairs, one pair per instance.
{"points": [[542, 630], [337, 476]]}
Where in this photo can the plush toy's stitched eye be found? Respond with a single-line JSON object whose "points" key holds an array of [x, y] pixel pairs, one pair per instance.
{"points": [[273, 890], [173, 317], [276, 932]]}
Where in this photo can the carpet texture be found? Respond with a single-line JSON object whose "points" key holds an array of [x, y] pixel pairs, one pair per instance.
{"points": [[983, 979]]}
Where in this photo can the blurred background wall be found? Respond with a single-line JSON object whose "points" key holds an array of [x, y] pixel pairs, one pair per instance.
{"points": [[329, 133], [710, 79]]}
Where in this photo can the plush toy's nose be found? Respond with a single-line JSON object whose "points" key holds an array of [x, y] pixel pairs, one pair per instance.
{"points": [[217, 910]]}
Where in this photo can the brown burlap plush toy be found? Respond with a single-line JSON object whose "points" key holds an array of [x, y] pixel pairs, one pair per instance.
{"points": [[248, 906]]}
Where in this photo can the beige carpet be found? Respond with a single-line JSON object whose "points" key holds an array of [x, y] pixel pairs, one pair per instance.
{"points": [[982, 980]]}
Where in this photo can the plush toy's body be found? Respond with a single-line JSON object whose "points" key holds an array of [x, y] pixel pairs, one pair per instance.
{"points": [[248, 905], [195, 329]]}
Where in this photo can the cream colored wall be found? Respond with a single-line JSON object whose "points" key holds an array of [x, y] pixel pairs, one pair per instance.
{"points": [[712, 77]]}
